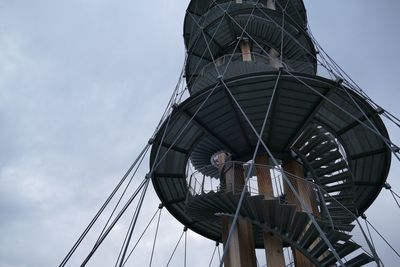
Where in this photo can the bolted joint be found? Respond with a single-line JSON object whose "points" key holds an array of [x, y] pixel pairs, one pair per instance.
{"points": [[151, 141], [339, 80], [174, 106], [148, 176], [379, 110], [185, 229], [364, 216], [217, 244], [395, 148], [161, 206], [248, 163], [387, 186]]}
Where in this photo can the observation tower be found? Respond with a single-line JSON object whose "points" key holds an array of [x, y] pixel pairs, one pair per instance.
{"points": [[264, 153], [266, 144]]}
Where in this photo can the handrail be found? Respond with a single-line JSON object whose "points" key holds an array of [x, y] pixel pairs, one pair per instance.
{"points": [[200, 184], [257, 58]]}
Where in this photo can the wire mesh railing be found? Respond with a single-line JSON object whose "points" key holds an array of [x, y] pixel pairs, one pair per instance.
{"points": [[239, 63], [199, 183]]}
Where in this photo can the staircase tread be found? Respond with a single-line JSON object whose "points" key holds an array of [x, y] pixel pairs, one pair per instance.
{"points": [[359, 260]]}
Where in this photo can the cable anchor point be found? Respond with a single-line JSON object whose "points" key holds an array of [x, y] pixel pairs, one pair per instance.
{"points": [[339, 80], [387, 186]]}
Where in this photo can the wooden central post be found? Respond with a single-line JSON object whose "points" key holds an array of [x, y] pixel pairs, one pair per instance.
{"points": [[295, 174], [273, 244], [271, 4], [274, 59], [245, 47], [241, 252]]}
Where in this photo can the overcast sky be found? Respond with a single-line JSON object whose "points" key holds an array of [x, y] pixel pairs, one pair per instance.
{"points": [[83, 84]]}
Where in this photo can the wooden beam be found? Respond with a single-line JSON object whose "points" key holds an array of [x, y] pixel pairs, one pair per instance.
{"points": [[274, 250], [264, 180], [246, 51], [271, 4], [273, 244], [241, 252], [295, 172]]}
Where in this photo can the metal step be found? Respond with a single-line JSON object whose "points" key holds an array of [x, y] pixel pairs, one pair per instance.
{"points": [[360, 260], [309, 236], [328, 158], [255, 202], [342, 250], [321, 247], [270, 213], [344, 227], [339, 198], [285, 217], [335, 207], [337, 187], [334, 178], [332, 168], [342, 218], [308, 134], [343, 202], [299, 223], [251, 209], [312, 143], [320, 150]]}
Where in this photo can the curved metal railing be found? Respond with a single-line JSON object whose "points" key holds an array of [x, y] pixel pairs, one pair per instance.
{"points": [[199, 184], [234, 64]]}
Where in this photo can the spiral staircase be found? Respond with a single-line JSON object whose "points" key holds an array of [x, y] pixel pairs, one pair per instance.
{"points": [[293, 227]]}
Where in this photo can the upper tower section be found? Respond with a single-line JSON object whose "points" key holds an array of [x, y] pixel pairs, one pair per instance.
{"points": [[249, 35]]}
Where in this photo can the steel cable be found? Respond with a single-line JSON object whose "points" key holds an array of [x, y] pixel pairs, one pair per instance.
{"points": [[155, 238], [103, 207], [140, 237], [176, 246]]}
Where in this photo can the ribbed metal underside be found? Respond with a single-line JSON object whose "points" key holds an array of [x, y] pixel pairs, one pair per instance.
{"points": [[218, 124]]}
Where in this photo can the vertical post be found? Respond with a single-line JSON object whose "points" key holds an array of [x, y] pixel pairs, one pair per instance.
{"points": [[295, 172], [274, 59], [241, 252], [273, 245], [202, 184], [271, 4], [245, 47]]}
